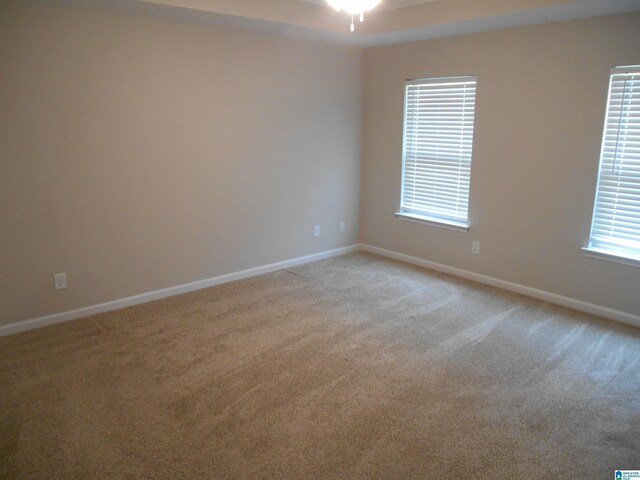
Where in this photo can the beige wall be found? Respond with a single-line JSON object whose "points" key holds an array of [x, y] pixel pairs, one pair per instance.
{"points": [[540, 108], [138, 154]]}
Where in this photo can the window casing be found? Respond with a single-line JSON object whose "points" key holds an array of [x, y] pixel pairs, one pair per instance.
{"points": [[615, 228], [439, 120]]}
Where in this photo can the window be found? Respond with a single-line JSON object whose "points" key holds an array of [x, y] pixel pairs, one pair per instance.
{"points": [[615, 229], [436, 158]]}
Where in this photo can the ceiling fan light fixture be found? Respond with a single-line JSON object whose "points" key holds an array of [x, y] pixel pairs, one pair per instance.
{"points": [[353, 7]]}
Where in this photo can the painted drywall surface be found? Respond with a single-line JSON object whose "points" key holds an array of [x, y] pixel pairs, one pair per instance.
{"points": [[138, 154], [541, 100]]}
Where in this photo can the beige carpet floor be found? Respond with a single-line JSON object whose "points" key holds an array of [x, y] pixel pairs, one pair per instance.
{"points": [[354, 367]]}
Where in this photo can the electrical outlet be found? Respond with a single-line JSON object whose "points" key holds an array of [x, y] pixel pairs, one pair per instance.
{"points": [[341, 227], [475, 247], [316, 231], [60, 281]]}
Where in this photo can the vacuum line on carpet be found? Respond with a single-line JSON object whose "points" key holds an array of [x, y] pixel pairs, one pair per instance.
{"points": [[289, 271]]}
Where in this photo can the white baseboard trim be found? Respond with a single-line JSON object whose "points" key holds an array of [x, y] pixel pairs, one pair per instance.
{"points": [[168, 292], [586, 307], [579, 305]]}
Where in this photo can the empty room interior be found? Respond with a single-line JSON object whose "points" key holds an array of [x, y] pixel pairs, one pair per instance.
{"points": [[295, 239]]}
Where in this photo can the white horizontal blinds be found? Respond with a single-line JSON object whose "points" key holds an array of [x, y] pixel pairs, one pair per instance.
{"points": [[438, 137], [616, 218]]}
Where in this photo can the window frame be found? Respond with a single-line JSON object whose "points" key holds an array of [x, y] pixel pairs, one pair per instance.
{"points": [[595, 251], [422, 216]]}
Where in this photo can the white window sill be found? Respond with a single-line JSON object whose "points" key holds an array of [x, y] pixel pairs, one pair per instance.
{"points": [[611, 257], [410, 217]]}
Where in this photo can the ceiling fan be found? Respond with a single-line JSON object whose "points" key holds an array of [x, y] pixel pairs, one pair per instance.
{"points": [[354, 7]]}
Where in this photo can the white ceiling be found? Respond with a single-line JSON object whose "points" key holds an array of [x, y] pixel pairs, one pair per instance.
{"points": [[396, 21]]}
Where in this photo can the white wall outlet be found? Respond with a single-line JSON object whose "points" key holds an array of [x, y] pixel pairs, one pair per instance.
{"points": [[316, 231], [341, 227], [60, 281], [475, 247]]}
